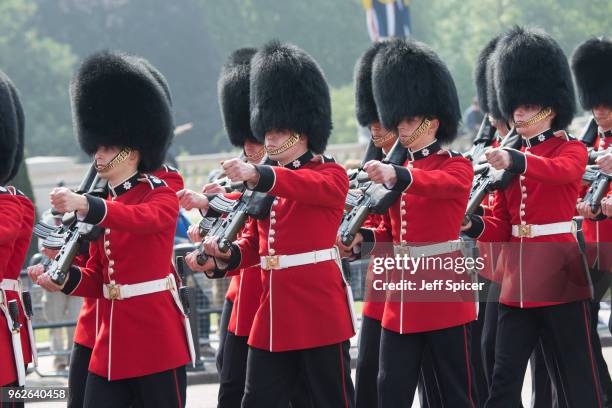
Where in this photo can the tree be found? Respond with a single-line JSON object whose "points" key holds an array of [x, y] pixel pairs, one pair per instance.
{"points": [[170, 34], [40, 68]]}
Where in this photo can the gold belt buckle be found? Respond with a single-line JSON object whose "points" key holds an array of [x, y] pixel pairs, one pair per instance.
{"points": [[271, 262], [114, 291], [524, 231]]}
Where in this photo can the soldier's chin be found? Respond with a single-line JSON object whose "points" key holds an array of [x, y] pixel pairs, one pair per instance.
{"points": [[102, 171]]}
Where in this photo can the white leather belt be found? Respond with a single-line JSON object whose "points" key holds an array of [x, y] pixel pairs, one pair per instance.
{"points": [[10, 284], [115, 291], [428, 250], [534, 230], [286, 261]]}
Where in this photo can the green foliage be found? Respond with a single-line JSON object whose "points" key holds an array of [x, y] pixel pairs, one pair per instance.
{"points": [[40, 68], [41, 42], [343, 111]]}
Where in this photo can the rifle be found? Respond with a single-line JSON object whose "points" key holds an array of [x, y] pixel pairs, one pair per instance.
{"points": [[230, 216], [589, 134], [483, 139], [600, 184], [54, 237], [488, 179], [75, 233], [372, 153], [369, 197], [183, 288]]}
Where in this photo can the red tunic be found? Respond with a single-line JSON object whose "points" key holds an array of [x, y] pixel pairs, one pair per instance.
{"points": [[137, 247], [10, 225], [430, 210], [302, 306], [372, 308], [16, 261], [88, 322], [232, 289], [598, 234], [248, 292], [543, 270]]}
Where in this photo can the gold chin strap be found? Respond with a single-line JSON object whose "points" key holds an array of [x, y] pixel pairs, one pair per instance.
{"points": [[256, 158], [380, 141], [120, 157], [293, 139], [541, 115], [418, 132]]}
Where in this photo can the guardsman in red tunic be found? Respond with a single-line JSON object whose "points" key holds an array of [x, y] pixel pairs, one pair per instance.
{"points": [[11, 283], [369, 333], [12, 368], [88, 321], [416, 95], [545, 287], [123, 118], [544, 389], [245, 289], [591, 65], [304, 322]]}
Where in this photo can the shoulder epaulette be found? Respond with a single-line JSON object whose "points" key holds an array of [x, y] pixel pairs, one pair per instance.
{"points": [[14, 191], [451, 153], [154, 182], [170, 169]]}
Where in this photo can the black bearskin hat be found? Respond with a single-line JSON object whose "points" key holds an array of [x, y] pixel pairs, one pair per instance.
{"points": [[492, 101], [20, 132], [409, 79], [120, 100], [365, 107], [9, 129], [592, 66], [233, 90], [289, 91], [533, 70], [480, 74]]}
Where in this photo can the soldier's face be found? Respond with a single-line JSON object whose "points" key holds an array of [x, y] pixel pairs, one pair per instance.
{"points": [[407, 127], [382, 136], [252, 148], [603, 116], [525, 112], [277, 140], [105, 154]]}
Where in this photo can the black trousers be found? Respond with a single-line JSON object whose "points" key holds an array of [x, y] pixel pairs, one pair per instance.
{"points": [[272, 377], [428, 388], [226, 313], [544, 372], [366, 395], [233, 372], [166, 389], [12, 404], [546, 383], [77, 376], [477, 353], [401, 357], [604, 372], [565, 333]]}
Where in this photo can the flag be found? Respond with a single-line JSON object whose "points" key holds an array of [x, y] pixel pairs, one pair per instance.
{"points": [[387, 18]]}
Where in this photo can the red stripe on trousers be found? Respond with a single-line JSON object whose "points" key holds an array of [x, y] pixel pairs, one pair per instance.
{"points": [[178, 394], [588, 332], [467, 365], [343, 383]]}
